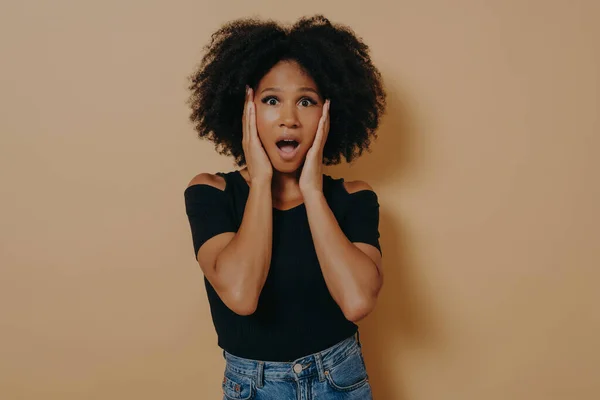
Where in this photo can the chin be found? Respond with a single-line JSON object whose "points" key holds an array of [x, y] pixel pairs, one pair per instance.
{"points": [[286, 168]]}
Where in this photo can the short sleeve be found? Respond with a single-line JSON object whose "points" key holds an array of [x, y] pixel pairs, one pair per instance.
{"points": [[209, 213], [361, 218]]}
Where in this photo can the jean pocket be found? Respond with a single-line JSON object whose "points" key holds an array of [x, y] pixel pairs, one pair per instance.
{"points": [[348, 375], [237, 387]]}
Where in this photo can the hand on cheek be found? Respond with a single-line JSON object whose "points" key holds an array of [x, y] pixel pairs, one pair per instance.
{"points": [[257, 161], [311, 178]]}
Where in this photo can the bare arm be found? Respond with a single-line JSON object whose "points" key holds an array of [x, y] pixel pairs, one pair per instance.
{"points": [[237, 264], [352, 271]]}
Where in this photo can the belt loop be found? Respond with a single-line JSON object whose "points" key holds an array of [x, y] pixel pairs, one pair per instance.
{"points": [[260, 374], [358, 338], [320, 369]]}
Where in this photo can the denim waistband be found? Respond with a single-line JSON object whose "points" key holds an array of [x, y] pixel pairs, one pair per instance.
{"points": [[311, 365]]}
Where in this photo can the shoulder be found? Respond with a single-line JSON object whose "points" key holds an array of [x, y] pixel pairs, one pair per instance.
{"points": [[357, 186], [205, 178]]}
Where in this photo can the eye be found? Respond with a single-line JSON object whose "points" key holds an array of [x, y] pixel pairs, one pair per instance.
{"points": [[270, 100], [307, 102]]}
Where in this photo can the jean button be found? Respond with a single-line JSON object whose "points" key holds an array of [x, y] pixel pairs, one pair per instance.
{"points": [[297, 368]]}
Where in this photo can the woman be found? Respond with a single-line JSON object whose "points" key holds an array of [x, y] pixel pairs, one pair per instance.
{"points": [[290, 256]]}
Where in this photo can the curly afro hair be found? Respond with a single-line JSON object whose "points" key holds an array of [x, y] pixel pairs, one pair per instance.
{"points": [[241, 52]]}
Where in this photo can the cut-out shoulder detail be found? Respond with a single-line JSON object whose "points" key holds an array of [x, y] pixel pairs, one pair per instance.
{"points": [[357, 186], [204, 178]]}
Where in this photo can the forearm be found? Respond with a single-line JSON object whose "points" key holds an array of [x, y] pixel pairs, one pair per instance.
{"points": [[244, 263], [351, 276]]}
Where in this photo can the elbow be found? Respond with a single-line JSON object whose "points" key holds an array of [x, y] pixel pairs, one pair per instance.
{"points": [[359, 308], [241, 303], [236, 295], [243, 309]]}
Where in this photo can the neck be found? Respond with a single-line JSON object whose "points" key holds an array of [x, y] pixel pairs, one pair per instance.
{"points": [[285, 186]]}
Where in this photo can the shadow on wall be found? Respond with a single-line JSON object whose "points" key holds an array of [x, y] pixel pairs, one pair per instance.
{"points": [[400, 318]]}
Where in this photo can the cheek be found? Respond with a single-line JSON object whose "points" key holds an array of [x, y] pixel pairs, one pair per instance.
{"points": [[312, 123], [265, 117]]}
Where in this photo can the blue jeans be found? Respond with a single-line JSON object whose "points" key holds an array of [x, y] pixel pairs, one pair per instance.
{"points": [[335, 373]]}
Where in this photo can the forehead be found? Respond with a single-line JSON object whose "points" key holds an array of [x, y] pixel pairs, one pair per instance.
{"points": [[287, 75]]}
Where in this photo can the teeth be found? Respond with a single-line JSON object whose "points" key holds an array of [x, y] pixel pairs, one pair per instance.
{"points": [[287, 142]]}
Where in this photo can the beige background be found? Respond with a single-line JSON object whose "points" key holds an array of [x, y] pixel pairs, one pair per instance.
{"points": [[486, 167]]}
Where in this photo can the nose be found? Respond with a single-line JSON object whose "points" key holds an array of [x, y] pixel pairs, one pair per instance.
{"points": [[288, 117]]}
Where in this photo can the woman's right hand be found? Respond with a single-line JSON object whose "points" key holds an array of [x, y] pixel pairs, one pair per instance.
{"points": [[257, 161]]}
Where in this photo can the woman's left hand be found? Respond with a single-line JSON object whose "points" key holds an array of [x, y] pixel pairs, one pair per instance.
{"points": [[311, 178]]}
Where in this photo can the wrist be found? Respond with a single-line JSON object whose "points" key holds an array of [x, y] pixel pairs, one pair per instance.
{"points": [[312, 195], [264, 182]]}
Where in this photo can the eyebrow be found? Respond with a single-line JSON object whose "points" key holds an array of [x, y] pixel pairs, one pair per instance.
{"points": [[302, 89]]}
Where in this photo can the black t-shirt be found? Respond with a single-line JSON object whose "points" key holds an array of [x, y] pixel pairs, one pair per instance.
{"points": [[296, 314]]}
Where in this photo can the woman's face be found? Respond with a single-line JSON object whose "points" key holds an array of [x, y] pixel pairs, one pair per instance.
{"points": [[288, 109]]}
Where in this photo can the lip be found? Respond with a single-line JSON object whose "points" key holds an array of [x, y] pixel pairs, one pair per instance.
{"points": [[288, 136], [288, 156]]}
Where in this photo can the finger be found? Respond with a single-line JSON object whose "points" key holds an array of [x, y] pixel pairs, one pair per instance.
{"points": [[247, 116], [321, 127], [252, 121], [326, 125], [244, 114], [245, 100]]}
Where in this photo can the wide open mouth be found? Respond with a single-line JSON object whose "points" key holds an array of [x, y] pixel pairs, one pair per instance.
{"points": [[287, 146]]}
